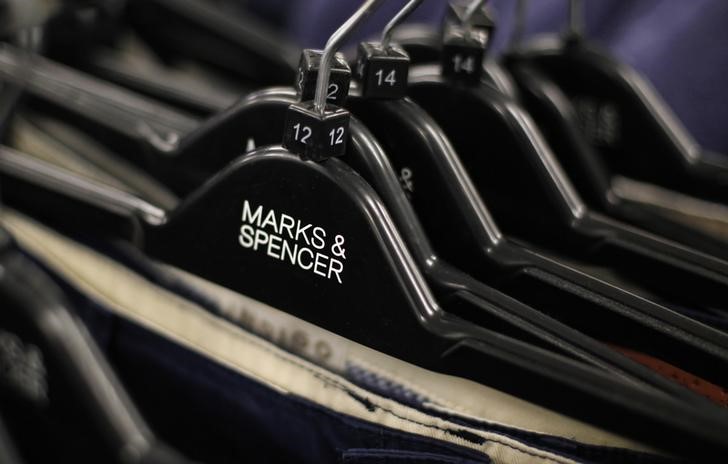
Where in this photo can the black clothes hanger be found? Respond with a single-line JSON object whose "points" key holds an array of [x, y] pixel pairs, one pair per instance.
{"points": [[177, 30], [472, 299], [448, 203], [455, 218], [424, 45], [478, 295], [253, 174], [206, 151], [401, 317], [233, 43], [182, 154], [646, 142], [58, 393], [558, 121], [202, 153], [512, 130], [544, 209]]}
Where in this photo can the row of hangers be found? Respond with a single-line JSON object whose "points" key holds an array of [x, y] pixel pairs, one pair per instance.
{"points": [[471, 228]]}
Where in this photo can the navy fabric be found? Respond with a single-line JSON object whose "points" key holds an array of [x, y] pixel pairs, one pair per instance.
{"points": [[212, 394], [376, 456], [681, 47], [215, 415]]}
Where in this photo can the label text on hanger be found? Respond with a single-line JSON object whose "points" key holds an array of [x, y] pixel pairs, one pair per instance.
{"points": [[284, 238]]}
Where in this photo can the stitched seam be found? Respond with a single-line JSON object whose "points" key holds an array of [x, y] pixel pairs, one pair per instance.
{"points": [[423, 392], [342, 387], [413, 457]]}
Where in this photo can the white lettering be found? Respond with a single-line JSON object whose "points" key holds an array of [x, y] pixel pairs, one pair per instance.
{"points": [[261, 238], [319, 238], [270, 220], [246, 236], [335, 268], [265, 231], [310, 263], [302, 231], [320, 263], [252, 218], [292, 252], [286, 223], [274, 246]]}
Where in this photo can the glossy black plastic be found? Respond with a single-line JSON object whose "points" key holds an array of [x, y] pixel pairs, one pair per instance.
{"points": [[401, 317], [543, 207], [458, 291], [199, 30], [558, 121], [204, 152], [453, 214]]}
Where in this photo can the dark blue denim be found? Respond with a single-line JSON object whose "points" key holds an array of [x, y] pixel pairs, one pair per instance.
{"points": [[374, 456], [213, 414]]}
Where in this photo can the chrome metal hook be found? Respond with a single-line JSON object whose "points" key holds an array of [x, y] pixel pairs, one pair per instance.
{"points": [[576, 18], [519, 24], [474, 6], [333, 45], [398, 19]]}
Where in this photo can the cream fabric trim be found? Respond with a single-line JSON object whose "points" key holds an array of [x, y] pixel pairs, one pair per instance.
{"points": [[445, 393], [708, 217], [136, 299]]}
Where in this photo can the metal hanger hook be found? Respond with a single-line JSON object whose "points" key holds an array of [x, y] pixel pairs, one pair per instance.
{"points": [[474, 6], [519, 24], [333, 45], [576, 18], [398, 19]]}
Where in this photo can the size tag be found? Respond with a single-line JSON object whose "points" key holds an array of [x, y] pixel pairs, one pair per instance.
{"points": [[382, 73], [314, 136]]}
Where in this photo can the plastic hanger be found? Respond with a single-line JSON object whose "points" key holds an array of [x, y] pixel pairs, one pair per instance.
{"points": [[424, 46], [549, 210], [558, 120], [69, 372], [646, 134], [403, 308], [255, 116], [190, 238], [286, 183], [72, 369], [202, 153], [178, 30], [444, 197], [189, 154], [461, 288]]}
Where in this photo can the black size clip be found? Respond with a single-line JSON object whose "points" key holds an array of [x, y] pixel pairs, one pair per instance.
{"points": [[314, 129], [382, 68], [466, 35], [339, 80]]}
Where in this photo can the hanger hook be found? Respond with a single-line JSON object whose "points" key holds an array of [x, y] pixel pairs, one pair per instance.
{"points": [[397, 20], [576, 18], [519, 24], [333, 45], [474, 6]]}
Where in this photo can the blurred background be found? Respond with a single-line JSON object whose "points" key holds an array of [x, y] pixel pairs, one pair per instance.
{"points": [[680, 46]]}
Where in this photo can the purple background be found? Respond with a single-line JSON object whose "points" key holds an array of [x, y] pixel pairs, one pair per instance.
{"points": [[680, 46]]}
